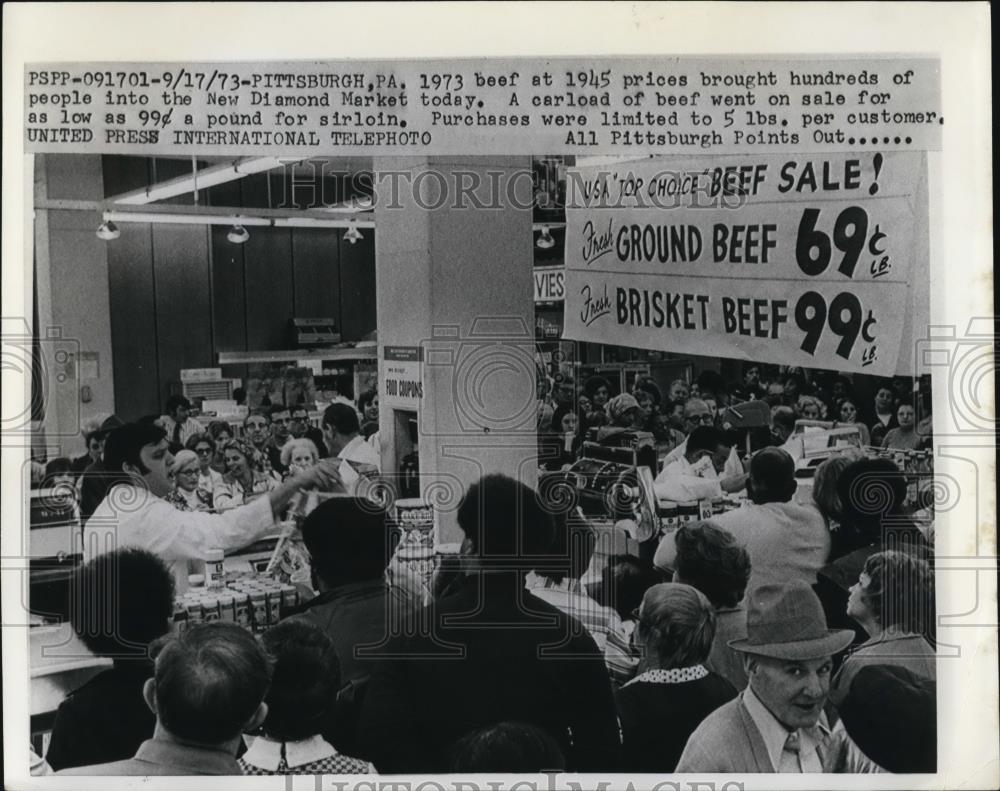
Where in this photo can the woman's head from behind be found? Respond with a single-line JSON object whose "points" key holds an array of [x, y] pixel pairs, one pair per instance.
{"points": [[676, 626], [305, 679]]}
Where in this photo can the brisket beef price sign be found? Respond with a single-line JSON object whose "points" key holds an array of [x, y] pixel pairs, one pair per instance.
{"points": [[816, 261]]}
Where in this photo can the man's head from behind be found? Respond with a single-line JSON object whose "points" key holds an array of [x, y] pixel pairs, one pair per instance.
{"points": [[772, 477], [340, 426], [349, 541], [209, 684], [504, 524], [121, 602]]}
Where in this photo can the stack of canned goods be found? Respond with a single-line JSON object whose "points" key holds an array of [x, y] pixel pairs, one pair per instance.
{"points": [[254, 603]]}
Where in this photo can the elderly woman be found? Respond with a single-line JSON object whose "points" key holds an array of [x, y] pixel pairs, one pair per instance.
{"points": [[674, 691], [904, 436], [244, 478], [893, 600], [299, 454], [204, 447], [187, 495]]}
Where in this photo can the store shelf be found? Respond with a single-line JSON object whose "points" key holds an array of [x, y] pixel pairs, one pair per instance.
{"points": [[291, 355]]}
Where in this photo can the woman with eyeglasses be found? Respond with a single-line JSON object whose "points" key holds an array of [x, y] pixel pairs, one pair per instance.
{"points": [[244, 479], [187, 495], [848, 414], [673, 692], [204, 448]]}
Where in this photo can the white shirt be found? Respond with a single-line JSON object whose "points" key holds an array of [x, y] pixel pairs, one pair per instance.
{"points": [[680, 482], [133, 517], [209, 480], [358, 450], [785, 541], [775, 736], [188, 428], [733, 464]]}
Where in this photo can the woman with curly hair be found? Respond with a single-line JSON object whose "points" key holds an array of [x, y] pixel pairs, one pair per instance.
{"points": [[244, 478], [893, 600]]}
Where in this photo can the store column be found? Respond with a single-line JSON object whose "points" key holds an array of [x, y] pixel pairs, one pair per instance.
{"points": [[453, 253]]}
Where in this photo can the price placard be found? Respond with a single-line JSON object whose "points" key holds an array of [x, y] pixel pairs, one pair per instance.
{"points": [[793, 260]]}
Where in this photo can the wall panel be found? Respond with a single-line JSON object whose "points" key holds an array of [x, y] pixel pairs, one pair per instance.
{"points": [[133, 321]]}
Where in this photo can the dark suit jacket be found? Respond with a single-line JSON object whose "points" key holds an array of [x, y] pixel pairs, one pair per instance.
{"points": [[490, 652], [104, 720]]}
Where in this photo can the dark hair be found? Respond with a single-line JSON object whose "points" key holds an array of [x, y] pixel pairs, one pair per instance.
{"points": [[595, 383], [274, 409], [506, 747], [713, 561], [647, 385], [304, 680], [772, 477], [571, 551], [174, 402], [216, 427], [210, 679], [783, 416], [712, 382], [624, 581], [705, 438], [560, 412], [196, 439], [673, 404], [366, 398], [121, 602], [504, 519], [261, 411], [58, 466], [349, 540], [125, 443], [342, 418], [147, 420], [869, 490]]}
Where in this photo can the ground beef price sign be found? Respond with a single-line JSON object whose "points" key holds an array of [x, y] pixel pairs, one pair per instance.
{"points": [[802, 260]]}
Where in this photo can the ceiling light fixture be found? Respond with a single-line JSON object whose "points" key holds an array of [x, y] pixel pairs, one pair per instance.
{"points": [[107, 231], [545, 240], [353, 235], [238, 234], [202, 179]]}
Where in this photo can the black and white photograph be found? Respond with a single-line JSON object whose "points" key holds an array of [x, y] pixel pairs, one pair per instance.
{"points": [[506, 419]]}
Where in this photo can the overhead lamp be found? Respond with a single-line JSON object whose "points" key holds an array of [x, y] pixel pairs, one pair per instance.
{"points": [[352, 235], [545, 240], [238, 234], [107, 231]]}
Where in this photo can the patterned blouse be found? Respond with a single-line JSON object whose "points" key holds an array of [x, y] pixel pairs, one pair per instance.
{"points": [[312, 756], [230, 493]]}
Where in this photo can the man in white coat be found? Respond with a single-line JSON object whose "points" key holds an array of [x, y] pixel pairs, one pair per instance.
{"points": [[134, 513]]}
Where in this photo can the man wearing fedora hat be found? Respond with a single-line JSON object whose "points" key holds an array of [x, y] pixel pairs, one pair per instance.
{"points": [[778, 723]]}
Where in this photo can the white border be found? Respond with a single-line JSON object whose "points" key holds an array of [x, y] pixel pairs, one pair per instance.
{"points": [[961, 242]]}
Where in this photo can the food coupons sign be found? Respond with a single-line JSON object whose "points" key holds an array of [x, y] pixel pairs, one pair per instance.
{"points": [[800, 260]]}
